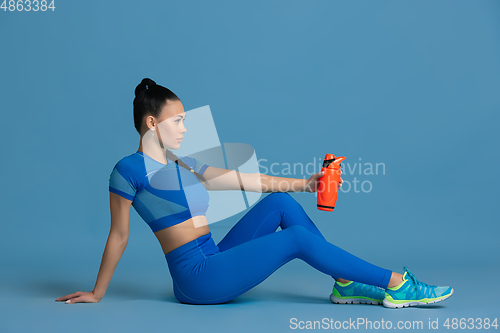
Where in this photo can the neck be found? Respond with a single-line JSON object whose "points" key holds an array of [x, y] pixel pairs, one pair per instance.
{"points": [[153, 149]]}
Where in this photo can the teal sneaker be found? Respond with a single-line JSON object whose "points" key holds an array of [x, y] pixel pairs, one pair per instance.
{"points": [[356, 293], [414, 292]]}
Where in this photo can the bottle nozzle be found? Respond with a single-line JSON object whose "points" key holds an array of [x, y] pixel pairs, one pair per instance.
{"points": [[339, 159]]}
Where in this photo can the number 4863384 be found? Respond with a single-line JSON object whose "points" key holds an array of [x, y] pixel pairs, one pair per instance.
{"points": [[27, 5]]}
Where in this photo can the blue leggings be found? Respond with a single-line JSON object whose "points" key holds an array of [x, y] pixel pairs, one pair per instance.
{"points": [[206, 273]]}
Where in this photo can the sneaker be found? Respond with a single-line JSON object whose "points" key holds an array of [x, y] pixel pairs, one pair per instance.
{"points": [[414, 292], [356, 293]]}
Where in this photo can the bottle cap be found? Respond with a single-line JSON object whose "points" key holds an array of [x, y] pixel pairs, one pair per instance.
{"points": [[333, 162]]}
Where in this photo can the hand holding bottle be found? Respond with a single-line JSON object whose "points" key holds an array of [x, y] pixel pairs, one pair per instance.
{"points": [[329, 183], [313, 182]]}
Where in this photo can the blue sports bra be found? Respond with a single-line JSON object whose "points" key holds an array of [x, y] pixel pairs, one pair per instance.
{"points": [[165, 194]]}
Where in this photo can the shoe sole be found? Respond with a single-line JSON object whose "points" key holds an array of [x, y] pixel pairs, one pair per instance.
{"points": [[388, 304], [352, 300]]}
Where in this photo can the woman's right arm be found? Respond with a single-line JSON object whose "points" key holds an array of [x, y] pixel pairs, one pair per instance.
{"points": [[115, 246]]}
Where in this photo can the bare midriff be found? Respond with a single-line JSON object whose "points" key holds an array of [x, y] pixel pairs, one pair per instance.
{"points": [[172, 237]]}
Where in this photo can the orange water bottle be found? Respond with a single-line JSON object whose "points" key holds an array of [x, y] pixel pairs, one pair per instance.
{"points": [[328, 188]]}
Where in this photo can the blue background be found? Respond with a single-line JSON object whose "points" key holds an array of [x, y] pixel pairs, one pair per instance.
{"points": [[411, 84]]}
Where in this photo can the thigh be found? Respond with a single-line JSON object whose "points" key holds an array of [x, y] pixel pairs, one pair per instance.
{"points": [[225, 275], [262, 219]]}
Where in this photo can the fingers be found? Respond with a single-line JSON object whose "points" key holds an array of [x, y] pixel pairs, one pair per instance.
{"points": [[70, 300], [74, 300], [63, 298], [321, 174]]}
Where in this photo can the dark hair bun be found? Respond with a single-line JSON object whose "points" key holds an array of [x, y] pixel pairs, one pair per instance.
{"points": [[144, 85]]}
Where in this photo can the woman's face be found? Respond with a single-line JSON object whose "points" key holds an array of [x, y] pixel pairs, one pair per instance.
{"points": [[170, 126]]}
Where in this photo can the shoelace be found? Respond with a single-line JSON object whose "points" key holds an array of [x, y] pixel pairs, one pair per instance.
{"points": [[416, 283], [370, 290]]}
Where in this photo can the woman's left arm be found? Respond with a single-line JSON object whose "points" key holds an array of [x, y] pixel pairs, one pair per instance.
{"points": [[217, 179]]}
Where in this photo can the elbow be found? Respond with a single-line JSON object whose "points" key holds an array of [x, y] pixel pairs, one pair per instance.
{"points": [[119, 237]]}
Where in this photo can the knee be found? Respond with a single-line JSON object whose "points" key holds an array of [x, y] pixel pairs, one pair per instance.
{"points": [[278, 195], [282, 198], [299, 234]]}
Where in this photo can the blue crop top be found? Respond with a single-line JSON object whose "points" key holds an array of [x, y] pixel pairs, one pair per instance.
{"points": [[165, 195]]}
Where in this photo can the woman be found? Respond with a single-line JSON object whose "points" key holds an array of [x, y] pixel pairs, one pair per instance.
{"points": [[207, 273]]}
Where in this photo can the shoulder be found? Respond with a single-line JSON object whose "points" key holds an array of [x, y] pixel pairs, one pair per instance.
{"points": [[188, 160], [195, 164], [130, 165], [192, 162], [125, 162]]}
